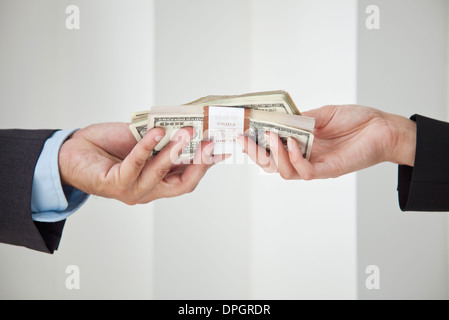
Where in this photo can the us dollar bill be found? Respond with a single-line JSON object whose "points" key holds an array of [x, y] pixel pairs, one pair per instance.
{"points": [[140, 116], [270, 111], [173, 123], [258, 130], [279, 97], [139, 129]]}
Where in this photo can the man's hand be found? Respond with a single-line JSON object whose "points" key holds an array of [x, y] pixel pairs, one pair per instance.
{"points": [[347, 139], [105, 160]]}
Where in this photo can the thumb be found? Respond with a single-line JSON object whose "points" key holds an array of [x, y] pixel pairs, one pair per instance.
{"points": [[134, 163], [322, 115]]}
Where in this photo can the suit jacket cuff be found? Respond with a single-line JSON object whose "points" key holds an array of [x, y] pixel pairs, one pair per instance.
{"points": [[19, 151], [425, 187]]}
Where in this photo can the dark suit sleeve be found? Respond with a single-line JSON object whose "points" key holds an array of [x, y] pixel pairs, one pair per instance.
{"points": [[19, 152], [425, 187]]}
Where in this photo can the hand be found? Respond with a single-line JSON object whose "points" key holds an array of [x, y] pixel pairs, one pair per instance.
{"points": [[106, 160], [347, 139]]}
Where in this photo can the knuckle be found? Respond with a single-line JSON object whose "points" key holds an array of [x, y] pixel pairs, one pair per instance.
{"points": [[132, 198], [286, 175], [127, 194], [307, 176], [122, 191], [128, 198], [147, 148], [161, 173], [146, 145], [130, 202], [104, 187], [190, 188], [271, 169], [138, 163], [294, 161]]}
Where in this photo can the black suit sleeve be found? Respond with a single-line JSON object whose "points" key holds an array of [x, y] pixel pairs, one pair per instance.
{"points": [[19, 152], [425, 187]]}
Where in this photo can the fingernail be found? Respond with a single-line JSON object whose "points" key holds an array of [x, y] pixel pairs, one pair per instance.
{"points": [[207, 154], [240, 141], [158, 138], [210, 150], [272, 138], [290, 143]]}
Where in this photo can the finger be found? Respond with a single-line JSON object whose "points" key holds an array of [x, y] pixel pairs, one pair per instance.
{"points": [[220, 158], [322, 115], [258, 154], [303, 167], [187, 181], [160, 165], [207, 154], [132, 166], [178, 168], [281, 157], [195, 172]]}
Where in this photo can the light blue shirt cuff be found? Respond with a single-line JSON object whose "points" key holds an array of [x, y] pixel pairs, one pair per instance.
{"points": [[50, 202]]}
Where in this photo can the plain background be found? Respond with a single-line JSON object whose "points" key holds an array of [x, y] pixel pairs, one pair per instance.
{"points": [[242, 234]]}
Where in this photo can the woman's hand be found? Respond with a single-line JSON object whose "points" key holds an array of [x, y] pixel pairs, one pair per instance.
{"points": [[347, 139]]}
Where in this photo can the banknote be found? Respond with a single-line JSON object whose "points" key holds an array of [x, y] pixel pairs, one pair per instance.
{"points": [[272, 111], [277, 101], [269, 101], [258, 130], [275, 108], [172, 123], [139, 129]]}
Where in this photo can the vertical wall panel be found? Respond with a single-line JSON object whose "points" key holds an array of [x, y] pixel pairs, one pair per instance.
{"points": [[51, 77], [303, 234], [402, 70], [201, 239]]}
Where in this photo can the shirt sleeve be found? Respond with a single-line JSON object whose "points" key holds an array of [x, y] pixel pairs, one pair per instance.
{"points": [[50, 201], [425, 187]]}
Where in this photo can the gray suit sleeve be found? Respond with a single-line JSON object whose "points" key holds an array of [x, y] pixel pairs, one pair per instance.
{"points": [[19, 152]]}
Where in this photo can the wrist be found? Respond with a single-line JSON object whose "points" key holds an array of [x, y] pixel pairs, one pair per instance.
{"points": [[64, 162], [403, 146]]}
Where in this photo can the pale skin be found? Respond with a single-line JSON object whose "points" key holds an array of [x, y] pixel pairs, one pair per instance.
{"points": [[347, 139], [106, 160]]}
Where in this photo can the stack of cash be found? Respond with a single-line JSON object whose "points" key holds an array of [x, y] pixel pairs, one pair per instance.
{"points": [[272, 111]]}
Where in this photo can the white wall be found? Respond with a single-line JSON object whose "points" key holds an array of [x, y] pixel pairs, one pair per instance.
{"points": [[202, 245], [304, 234], [54, 78], [402, 70], [304, 240], [242, 234], [447, 119]]}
